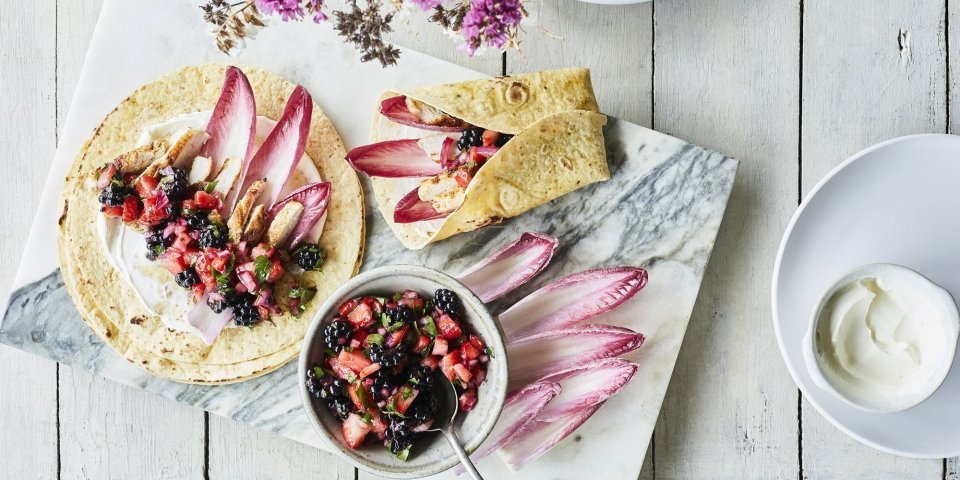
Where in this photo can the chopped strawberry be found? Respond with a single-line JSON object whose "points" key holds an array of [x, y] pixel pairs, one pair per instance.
{"points": [[340, 370], [112, 211], [468, 400], [423, 342], [182, 242], [447, 363], [346, 307], [262, 250], [403, 398], [205, 200], [490, 137], [202, 266], [174, 263], [198, 290], [362, 316], [146, 185], [469, 352], [373, 303], [354, 396], [106, 175], [354, 360], [369, 370], [276, 271], [355, 430], [431, 361], [397, 336], [440, 346], [448, 327], [477, 342], [188, 206], [377, 424], [154, 209], [131, 208], [462, 372], [219, 264], [463, 177]]}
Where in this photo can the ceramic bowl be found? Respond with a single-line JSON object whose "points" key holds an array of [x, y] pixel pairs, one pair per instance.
{"points": [[430, 455], [938, 296]]}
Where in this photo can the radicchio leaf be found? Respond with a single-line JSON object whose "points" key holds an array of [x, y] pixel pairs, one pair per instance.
{"points": [[550, 352], [314, 198], [539, 437], [393, 159], [571, 300], [277, 158], [233, 124], [587, 384], [511, 266], [411, 209], [395, 109]]}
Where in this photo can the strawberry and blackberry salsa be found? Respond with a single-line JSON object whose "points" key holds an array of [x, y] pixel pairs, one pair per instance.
{"points": [[378, 374]]}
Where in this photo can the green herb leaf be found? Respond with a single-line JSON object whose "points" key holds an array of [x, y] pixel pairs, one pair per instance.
{"points": [[375, 339], [431, 328], [489, 352], [395, 326], [384, 320], [404, 454], [363, 396], [261, 266], [397, 296], [210, 186]]}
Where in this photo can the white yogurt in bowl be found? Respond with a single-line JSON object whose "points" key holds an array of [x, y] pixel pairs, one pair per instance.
{"points": [[883, 338]]}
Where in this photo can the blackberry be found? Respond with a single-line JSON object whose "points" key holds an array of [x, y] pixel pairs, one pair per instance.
{"points": [[175, 184], [424, 407], [314, 385], [393, 358], [376, 353], [503, 139], [340, 407], [187, 278], [156, 244], [213, 235], [337, 335], [400, 434], [421, 377], [335, 388], [245, 313], [471, 137], [197, 221], [402, 314], [448, 302], [383, 385], [309, 256], [218, 306], [114, 194]]}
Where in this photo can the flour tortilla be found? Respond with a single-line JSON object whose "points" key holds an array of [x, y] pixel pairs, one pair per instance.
{"points": [[111, 307], [558, 146]]}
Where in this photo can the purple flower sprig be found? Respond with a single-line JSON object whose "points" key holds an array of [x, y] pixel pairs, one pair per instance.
{"points": [[491, 22], [293, 10]]}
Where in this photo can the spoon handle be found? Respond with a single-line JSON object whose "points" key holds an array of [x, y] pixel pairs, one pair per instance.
{"points": [[451, 437]]}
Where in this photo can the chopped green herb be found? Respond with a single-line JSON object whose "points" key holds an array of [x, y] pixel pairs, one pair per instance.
{"points": [[210, 186], [375, 339], [363, 396], [431, 328], [397, 296], [489, 352], [303, 295], [367, 418], [394, 326], [261, 266], [404, 454]]}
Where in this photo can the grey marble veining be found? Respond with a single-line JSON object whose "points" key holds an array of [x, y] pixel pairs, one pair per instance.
{"points": [[660, 210]]}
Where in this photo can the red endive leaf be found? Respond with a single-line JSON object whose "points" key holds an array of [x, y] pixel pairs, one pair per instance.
{"points": [[232, 126], [393, 159], [554, 351], [586, 385], [511, 266], [395, 108], [571, 300], [208, 322], [411, 209], [519, 411], [539, 437], [277, 158], [314, 198]]}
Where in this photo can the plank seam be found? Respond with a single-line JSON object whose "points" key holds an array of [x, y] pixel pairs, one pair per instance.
{"points": [[946, 46], [56, 140], [206, 446], [799, 199]]}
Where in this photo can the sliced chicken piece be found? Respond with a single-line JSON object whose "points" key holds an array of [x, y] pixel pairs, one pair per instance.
{"points": [[241, 212], [284, 222], [256, 226], [140, 158], [153, 170], [449, 200], [185, 145], [433, 116], [199, 170], [433, 144], [436, 185], [228, 176]]}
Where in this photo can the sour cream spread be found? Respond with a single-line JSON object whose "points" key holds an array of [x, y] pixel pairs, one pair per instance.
{"points": [[881, 339], [126, 249]]}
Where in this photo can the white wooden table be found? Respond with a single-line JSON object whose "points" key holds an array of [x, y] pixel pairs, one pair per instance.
{"points": [[789, 87]]}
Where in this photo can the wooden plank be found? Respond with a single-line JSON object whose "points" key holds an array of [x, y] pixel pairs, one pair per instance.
{"points": [[412, 30], [109, 430], [615, 42], [240, 452], [951, 466], [870, 73], [726, 77], [28, 396]]}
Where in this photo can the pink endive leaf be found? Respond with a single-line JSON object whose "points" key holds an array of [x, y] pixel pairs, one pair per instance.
{"points": [[519, 411], [539, 437], [395, 109], [209, 323], [280, 153], [586, 385], [571, 300], [393, 159], [411, 209], [511, 266], [233, 124], [314, 198], [550, 352]]}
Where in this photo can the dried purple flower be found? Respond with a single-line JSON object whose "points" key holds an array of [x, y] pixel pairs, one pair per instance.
{"points": [[315, 7], [491, 22], [287, 9], [426, 4]]}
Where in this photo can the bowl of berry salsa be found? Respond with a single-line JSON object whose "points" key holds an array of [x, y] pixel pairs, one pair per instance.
{"points": [[373, 361]]}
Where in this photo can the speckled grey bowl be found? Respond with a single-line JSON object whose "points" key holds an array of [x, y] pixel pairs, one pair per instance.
{"points": [[431, 455]]}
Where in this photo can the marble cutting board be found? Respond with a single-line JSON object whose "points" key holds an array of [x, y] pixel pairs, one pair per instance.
{"points": [[661, 210]]}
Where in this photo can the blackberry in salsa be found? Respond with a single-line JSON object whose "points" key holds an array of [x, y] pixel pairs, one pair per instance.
{"points": [[309, 256], [187, 278], [245, 313], [213, 235], [380, 367]]}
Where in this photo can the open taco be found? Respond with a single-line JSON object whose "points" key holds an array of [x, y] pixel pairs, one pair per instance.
{"points": [[453, 158], [205, 221]]}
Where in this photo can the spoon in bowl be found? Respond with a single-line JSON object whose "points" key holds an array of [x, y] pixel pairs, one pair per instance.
{"points": [[447, 401]]}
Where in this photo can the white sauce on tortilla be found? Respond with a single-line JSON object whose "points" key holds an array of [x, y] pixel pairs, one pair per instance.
{"points": [[126, 248]]}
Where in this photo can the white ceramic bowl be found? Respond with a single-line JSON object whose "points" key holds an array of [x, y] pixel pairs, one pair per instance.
{"points": [[926, 288], [431, 455]]}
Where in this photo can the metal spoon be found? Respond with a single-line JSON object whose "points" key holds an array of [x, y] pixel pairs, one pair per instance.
{"points": [[447, 400]]}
